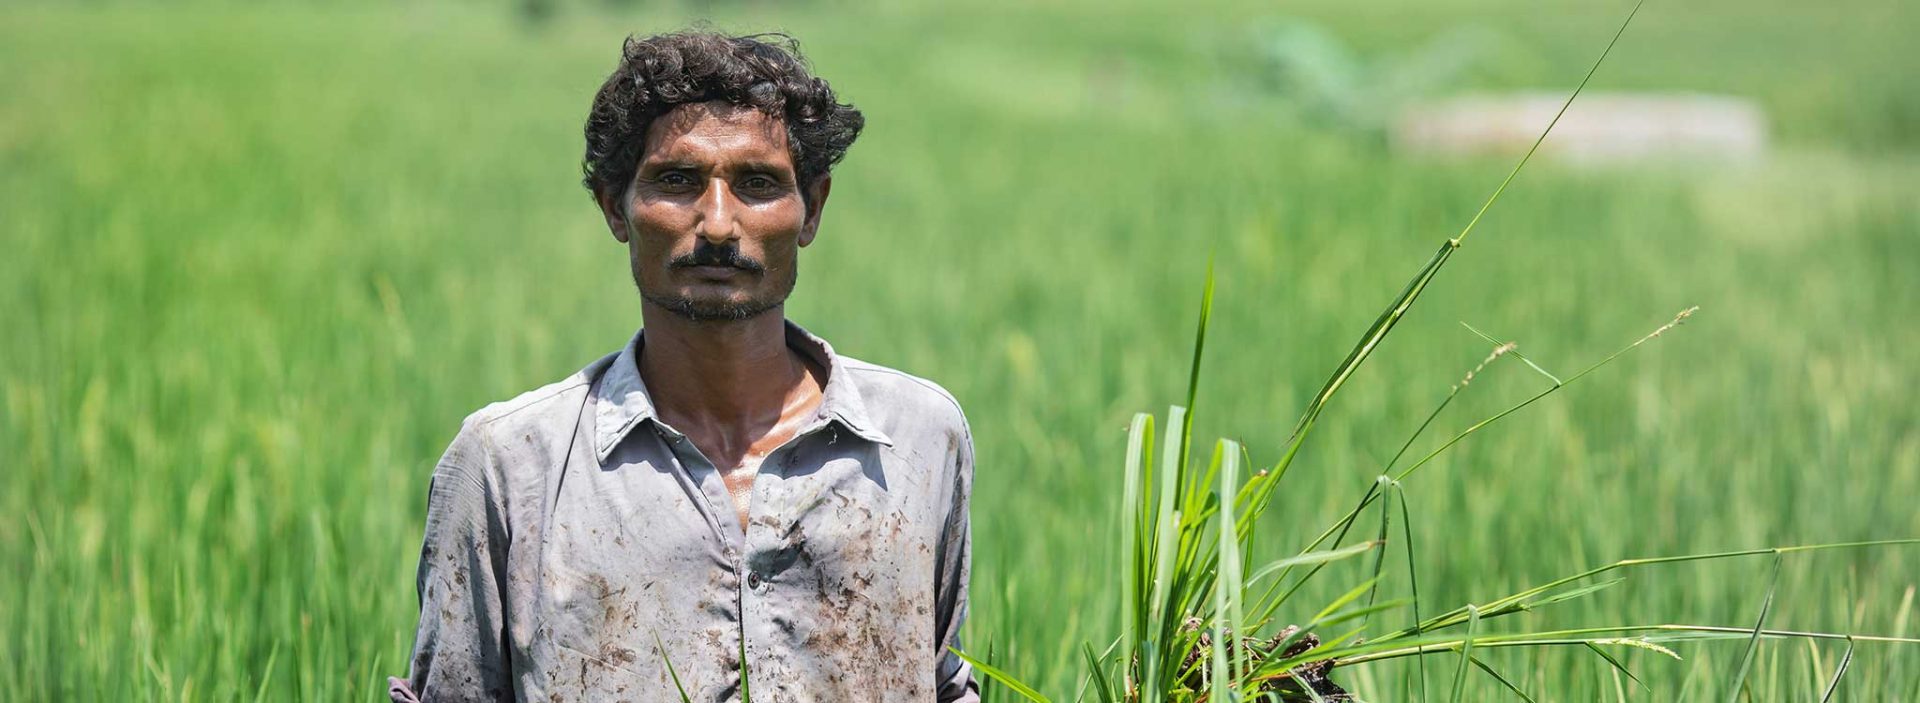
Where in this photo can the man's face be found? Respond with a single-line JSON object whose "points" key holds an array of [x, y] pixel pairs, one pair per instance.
{"points": [[714, 218]]}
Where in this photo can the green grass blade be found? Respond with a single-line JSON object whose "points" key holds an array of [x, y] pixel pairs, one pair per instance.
{"points": [[1339, 529], [1502, 679], [1338, 532], [1096, 676], [1617, 665], [1186, 486], [1004, 678], [1380, 557], [1505, 603], [1514, 350], [1413, 580], [1466, 655], [1341, 602], [1362, 612], [1166, 530], [1906, 611], [1133, 513], [1550, 124], [1221, 683], [1321, 557], [1650, 637], [1422, 429], [1697, 633], [1369, 341], [1327, 649], [1839, 670], [1573, 593], [260, 694], [1753, 641], [1228, 586], [675, 675], [1476, 427], [1193, 372], [746, 694], [1392, 315]]}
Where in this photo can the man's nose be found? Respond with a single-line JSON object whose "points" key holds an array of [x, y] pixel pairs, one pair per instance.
{"points": [[719, 212]]}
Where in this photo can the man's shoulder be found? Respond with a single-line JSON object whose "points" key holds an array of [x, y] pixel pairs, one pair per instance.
{"points": [[897, 398], [552, 408]]}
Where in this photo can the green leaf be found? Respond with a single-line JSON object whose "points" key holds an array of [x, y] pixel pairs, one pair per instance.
{"points": [[1502, 679], [1413, 581], [1380, 558], [1309, 558], [1133, 612], [675, 675], [1097, 674], [1840, 670], [1342, 601], [1199, 346], [260, 694], [1571, 594], [1003, 677], [1622, 668], [1753, 641], [1550, 124], [1228, 619], [746, 695], [1166, 531], [1466, 655]]}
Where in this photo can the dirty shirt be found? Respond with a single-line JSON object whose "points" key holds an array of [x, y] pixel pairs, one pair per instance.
{"points": [[577, 547]]}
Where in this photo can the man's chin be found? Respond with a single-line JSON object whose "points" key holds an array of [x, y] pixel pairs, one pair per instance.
{"points": [[696, 309]]}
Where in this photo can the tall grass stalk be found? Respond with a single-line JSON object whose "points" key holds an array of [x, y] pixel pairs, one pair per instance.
{"points": [[1182, 580]]}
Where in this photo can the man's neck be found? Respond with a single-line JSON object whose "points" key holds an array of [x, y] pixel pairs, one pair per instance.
{"points": [[722, 376]]}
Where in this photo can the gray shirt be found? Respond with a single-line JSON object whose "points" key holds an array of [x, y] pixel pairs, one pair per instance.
{"points": [[576, 547]]}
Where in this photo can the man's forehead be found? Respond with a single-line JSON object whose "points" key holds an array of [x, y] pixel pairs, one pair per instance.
{"points": [[716, 128]]}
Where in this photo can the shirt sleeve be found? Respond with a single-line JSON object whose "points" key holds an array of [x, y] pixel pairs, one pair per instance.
{"points": [[459, 650], [955, 676]]}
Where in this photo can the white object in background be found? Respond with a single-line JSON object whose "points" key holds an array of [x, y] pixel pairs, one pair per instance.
{"points": [[1599, 128]]}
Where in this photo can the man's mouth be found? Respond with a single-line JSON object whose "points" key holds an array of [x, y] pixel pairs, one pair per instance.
{"points": [[714, 271]]}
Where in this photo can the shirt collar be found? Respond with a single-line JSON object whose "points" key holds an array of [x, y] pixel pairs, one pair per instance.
{"points": [[622, 403]]}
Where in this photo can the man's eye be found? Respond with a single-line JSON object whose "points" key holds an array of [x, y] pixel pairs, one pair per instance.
{"points": [[760, 184], [675, 178]]}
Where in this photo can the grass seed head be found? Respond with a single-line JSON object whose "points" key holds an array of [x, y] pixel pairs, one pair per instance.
{"points": [[1498, 352]]}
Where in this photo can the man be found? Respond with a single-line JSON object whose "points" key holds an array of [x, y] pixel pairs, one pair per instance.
{"points": [[726, 502]]}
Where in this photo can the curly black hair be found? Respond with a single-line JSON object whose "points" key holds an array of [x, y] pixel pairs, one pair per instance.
{"points": [[761, 71]]}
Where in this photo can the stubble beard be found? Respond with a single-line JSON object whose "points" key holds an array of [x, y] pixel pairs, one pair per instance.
{"points": [[695, 310]]}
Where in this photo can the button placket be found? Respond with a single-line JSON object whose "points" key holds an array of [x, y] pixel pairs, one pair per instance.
{"points": [[716, 505], [756, 535], [753, 540]]}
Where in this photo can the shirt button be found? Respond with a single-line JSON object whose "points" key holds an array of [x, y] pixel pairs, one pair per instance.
{"points": [[753, 580]]}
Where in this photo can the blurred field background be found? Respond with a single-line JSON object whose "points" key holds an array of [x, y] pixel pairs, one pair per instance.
{"points": [[260, 260]]}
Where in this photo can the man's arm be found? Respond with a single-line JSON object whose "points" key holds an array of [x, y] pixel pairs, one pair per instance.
{"points": [[955, 677], [460, 649]]}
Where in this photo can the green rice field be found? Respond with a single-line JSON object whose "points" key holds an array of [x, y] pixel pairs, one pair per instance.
{"points": [[258, 260]]}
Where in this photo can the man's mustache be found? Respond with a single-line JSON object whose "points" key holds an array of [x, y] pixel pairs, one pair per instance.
{"points": [[705, 254]]}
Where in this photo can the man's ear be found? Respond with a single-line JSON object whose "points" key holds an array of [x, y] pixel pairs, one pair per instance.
{"points": [[816, 202], [615, 212]]}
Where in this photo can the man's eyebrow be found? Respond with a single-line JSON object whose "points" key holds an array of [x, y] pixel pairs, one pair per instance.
{"points": [[768, 167], [755, 166], [667, 164]]}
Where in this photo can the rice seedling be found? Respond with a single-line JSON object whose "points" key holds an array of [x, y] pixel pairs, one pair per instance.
{"points": [[1190, 617]]}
